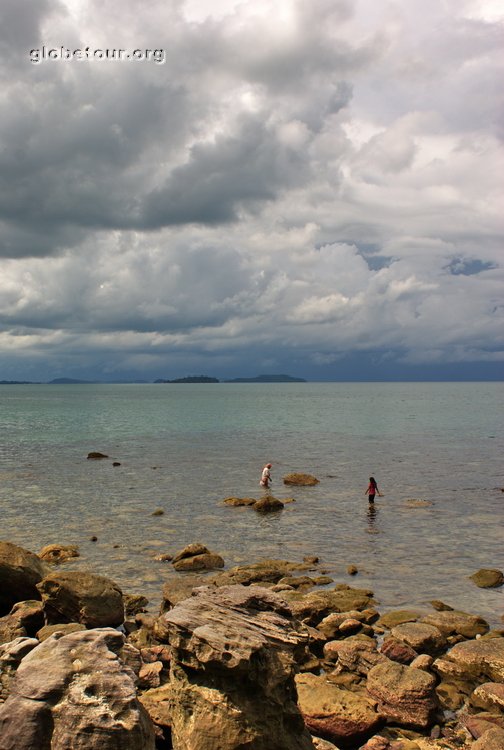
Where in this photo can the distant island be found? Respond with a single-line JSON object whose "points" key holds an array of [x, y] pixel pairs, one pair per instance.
{"points": [[191, 379], [268, 379], [188, 379]]}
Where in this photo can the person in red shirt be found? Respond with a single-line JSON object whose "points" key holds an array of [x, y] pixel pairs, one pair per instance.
{"points": [[372, 490]]}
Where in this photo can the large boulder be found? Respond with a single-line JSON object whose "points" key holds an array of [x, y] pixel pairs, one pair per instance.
{"points": [[234, 650], [11, 655], [337, 714], [20, 571], [405, 695], [75, 596], [75, 692]]}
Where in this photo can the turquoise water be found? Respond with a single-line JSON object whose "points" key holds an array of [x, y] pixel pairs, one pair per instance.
{"points": [[184, 448]]}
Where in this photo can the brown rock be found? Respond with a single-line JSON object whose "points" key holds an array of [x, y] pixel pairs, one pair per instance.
{"points": [[24, 619], [405, 695], [58, 553], [206, 561], [355, 654], [96, 455], [190, 551], [75, 687], [398, 617], [458, 623], [75, 596], [11, 654], [423, 638], [266, 571], [488, 578], [300, 480], [268, 504], [313, 607], [492, 739], [63, 629], [234, 651], [490, 696], [20, 571], [398, 651], [481, 659], [237, 502], [176, 589], [337, 714]]}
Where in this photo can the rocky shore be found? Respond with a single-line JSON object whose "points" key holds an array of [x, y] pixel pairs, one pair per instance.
{"points": [[269, 656]]}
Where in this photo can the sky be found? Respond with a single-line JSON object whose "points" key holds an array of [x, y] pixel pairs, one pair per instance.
{"points": [[276, 186]]}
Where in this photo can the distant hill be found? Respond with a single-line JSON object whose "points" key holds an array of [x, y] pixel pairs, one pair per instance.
{"points": [[190, 379], [268, 379], [70, 381]]}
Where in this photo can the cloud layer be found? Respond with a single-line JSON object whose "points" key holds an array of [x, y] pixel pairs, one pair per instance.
{"points": [[297, 187]]}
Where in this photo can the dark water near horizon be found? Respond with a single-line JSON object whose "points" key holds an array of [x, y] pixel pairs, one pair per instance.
{"points": [[436, 450]]}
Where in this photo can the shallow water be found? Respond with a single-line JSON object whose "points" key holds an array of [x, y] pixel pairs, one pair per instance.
{"points": [[184, 448]]}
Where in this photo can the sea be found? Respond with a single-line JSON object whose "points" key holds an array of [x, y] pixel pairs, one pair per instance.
{"points": [[176, 451]]}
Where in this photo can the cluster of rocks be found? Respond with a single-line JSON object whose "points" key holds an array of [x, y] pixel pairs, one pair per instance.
{"points": [[270, 656]]}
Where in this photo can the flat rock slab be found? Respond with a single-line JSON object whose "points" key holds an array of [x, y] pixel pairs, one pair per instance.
{"points": [[455, 622], [481, 658]]}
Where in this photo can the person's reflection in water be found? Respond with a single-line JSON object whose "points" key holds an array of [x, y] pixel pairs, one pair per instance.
{"points": [[372, 512]]}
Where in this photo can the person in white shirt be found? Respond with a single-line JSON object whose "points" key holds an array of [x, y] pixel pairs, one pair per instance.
{"points": [[266, 476]]}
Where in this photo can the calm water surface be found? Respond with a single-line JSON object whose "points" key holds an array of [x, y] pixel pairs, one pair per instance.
{"points": [[184, 448]]}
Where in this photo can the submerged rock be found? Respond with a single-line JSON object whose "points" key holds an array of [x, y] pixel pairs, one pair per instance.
{"points": [[300, 480], [268, 504], [488, 578]]}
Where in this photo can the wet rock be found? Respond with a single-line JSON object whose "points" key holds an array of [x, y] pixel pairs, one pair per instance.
{"points": [[20, 571], [423, 638], [352, 570], [300, 479], [205, 561], [234, 651], [197, 557], [338, 715], [96, 456], [405, 695], [75, 687], [440, 606], [236, 502], [158, 512], [268, 504], [488, 578], [454, 622], [75, 596], [266, 571], [311, 608], [58, 553]]}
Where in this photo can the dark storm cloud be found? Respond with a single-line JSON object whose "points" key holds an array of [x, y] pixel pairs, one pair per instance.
{"points": [[297, 183]]}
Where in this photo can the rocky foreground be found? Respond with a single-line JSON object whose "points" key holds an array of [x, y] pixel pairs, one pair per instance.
{"points": [[257, 657]]}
